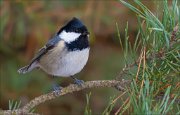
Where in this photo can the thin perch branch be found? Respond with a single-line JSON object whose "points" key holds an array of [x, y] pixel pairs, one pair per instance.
{"points": [[120, 85], [69, 89]]}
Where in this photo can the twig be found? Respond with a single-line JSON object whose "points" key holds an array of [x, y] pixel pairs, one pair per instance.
{"points": [[139, 65], [120, 85], [126, 101], [118, 97]]}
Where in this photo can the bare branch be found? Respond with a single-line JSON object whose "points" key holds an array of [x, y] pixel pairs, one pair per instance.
{"points": [[120, 85]]}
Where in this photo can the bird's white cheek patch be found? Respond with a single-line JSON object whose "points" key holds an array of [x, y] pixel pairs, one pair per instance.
{"points": [[69, 36]]}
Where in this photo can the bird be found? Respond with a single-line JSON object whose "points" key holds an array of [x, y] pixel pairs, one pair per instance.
{"points": [[65, 54]]}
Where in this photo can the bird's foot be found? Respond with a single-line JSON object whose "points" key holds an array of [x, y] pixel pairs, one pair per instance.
{"points": [[56, 89], [77, 81]]}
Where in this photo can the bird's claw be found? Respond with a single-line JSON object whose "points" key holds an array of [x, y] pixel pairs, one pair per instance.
{"points": [[78, 82], [56, 89]]}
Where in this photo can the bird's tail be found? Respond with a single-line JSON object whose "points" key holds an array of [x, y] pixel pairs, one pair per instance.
{"points": [[27, 68], [24, 70]]}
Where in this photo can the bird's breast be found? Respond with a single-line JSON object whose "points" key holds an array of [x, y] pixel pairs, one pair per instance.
{"points": [[64, 63]]}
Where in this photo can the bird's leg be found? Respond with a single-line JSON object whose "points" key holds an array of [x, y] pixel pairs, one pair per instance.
{"points": [[56, 88], [77, 81]]}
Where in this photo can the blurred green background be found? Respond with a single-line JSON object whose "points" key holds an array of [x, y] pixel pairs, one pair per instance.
{"points": [[25, 26]]}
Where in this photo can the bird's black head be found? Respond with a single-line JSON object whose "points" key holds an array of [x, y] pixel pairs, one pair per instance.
{"points": [[75, 35], [75, 25]]}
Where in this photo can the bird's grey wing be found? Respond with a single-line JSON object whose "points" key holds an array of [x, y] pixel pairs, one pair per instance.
{"points": [[33, 64], [51, 44]]}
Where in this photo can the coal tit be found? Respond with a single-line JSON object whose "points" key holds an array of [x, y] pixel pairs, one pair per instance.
{"points": [[65, 54]]}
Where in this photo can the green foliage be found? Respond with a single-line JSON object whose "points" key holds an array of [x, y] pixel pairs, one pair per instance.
{"points": [[87, 108], [109, 107], [13, 105], [158, 66], [152, 35], [143, 102]]}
